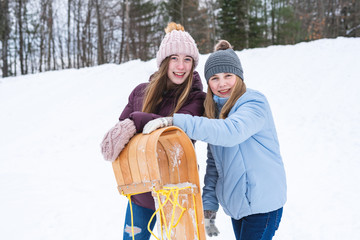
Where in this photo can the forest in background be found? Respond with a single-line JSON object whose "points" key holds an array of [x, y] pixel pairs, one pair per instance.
{"points": [[44, 35]]}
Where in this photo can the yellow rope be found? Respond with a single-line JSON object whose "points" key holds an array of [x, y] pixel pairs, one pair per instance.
{"points": [[196, 220], [131, 211], [167, 192]]}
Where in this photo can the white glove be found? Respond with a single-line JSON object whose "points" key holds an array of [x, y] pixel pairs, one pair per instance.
{"points": [[157, 123], [211, 229]]}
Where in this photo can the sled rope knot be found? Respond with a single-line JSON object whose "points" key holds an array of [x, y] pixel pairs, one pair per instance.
{"points": [[168, 192]]}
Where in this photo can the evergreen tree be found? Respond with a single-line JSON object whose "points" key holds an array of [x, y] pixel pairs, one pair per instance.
{"points": [[257, 24], [289, 31], [191, 16], [142, 28], [231, 21], [243, 23]]}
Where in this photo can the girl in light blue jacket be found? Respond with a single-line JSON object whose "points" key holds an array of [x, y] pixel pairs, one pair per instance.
{"points": [[244, 171]]}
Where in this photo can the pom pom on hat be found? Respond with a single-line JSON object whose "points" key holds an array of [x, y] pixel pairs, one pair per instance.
{"points": [[177, 41], [173, 26], [223, 60], [222, 45]]}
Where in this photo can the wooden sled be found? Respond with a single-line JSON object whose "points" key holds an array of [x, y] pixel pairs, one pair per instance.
{"points": [[164, 162]]}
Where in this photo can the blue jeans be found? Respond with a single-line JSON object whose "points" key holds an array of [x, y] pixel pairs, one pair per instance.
{"points": [[141, 217], [257, 226]]}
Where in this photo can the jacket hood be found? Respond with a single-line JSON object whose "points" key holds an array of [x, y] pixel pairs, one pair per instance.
{"points": [[197, 84]]}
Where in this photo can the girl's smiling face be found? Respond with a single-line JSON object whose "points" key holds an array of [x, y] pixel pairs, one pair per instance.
{"points": [[221, 84], [179, 68]]}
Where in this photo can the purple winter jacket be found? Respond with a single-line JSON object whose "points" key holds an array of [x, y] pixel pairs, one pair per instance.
{"points": [[193, 106]]}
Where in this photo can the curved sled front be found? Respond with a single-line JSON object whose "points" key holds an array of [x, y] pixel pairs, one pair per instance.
{"points": [[162, 159]]}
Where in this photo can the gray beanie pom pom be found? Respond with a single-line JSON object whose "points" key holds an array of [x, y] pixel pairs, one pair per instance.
{"points": [[222, 45]]}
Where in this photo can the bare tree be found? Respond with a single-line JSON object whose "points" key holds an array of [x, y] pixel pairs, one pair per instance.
{"points": [[100, 34], [85, 59], [68, 41], [123, 30], [212, 6], [42, 33], [127, 31], [19, 10], [50, 37], [4, 35]]}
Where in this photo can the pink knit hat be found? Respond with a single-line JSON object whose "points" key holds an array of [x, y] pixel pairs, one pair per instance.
{"points": [[116, 138], [177, 41]]}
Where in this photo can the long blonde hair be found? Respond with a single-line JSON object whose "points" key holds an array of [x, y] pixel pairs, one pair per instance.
{"points": [[158, 85], [210, 106]]}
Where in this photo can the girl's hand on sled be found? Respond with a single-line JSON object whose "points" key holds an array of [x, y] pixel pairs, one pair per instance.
{"points": [[116, 138], [157, 123]]}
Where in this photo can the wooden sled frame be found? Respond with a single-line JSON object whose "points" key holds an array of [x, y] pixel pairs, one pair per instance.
{"points": [[153, 162]]}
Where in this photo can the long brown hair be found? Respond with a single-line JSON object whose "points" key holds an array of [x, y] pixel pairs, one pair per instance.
{"points": [[158, 85], [210, 106]]}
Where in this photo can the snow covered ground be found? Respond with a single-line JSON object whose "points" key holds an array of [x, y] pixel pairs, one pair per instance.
{"points": [[54, 183]]}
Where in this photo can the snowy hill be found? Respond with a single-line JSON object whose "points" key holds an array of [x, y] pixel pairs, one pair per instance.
{"points": [[54, 183]]}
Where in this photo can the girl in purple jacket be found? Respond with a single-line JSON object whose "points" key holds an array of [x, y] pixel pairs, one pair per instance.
{"points": [[174, 88]]}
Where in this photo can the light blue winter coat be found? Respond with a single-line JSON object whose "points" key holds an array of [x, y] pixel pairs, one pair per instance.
{"points": [[245, 172]]}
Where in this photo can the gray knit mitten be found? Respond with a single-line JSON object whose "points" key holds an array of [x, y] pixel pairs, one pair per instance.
{"points": [[211, 229]]}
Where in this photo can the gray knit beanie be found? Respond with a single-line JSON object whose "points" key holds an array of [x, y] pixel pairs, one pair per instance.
{"points": [[223, 60]]}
